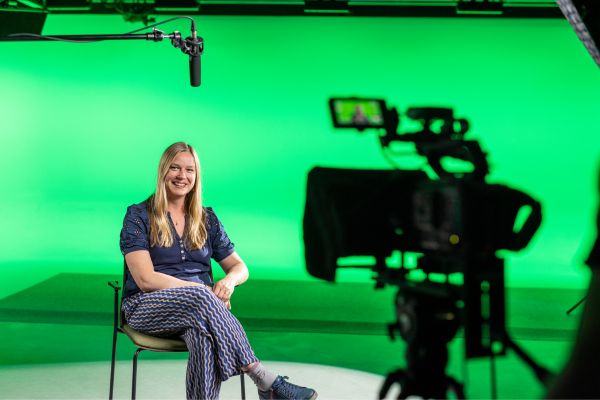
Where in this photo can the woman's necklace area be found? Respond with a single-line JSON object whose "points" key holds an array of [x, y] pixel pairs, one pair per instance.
{"points": [[179, 220]]}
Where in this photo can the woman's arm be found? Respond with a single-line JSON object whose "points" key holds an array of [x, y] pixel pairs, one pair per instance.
{"points": [[148, 280], [236, 273]]}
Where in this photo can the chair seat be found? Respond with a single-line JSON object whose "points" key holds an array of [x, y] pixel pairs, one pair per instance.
{"points": [[154, 343]]}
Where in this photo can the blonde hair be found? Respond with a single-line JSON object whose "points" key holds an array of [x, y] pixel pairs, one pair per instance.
{"points": [[160, 229]]}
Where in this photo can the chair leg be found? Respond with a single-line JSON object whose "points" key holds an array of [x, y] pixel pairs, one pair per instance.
{"points": [[116, 287], [243, 386], [134, 378], [134, 374], [112, 366]]}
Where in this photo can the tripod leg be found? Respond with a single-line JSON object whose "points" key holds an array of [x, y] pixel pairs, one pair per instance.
{"points": [[398, 376], [493, 376], [457, 387], [570, 310], [544, 375]]}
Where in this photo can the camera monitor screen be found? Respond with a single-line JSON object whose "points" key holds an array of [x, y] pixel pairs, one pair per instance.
{"points": [[357, 113]]}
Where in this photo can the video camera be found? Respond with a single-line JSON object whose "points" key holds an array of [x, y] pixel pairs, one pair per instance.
{"points": [[454, 224]]}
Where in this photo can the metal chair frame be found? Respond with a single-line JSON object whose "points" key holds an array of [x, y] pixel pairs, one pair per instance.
{"points": [[118, 323]]}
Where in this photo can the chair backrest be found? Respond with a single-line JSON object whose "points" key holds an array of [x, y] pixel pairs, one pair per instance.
{"points": [[118, 316], [121, 313]]}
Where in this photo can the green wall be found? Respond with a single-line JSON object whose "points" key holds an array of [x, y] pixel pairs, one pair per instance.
{"points": [[83, 126]]}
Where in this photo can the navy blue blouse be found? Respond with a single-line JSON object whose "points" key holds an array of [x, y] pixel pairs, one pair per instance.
{"points": [[178, 260]]}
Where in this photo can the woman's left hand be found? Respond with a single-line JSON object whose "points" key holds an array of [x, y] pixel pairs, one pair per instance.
{"points": [[223, 289]]}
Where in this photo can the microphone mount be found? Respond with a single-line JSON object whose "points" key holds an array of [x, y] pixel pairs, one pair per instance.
{"points": [[192, 46]]}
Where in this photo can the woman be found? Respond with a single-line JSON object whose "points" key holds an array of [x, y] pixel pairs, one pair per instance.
{"points": [[168, 241]]}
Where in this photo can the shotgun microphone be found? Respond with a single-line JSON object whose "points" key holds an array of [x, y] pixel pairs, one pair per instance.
{"points": [[193, 46], [195, 70], [196, 45]]}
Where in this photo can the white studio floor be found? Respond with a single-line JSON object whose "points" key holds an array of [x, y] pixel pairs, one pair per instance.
{"points": [[159, 379]]}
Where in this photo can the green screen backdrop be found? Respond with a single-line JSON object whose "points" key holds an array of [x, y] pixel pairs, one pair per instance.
{"points": [[83, 126]]}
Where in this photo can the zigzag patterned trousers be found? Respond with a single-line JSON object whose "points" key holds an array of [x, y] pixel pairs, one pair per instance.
{"points": [[217, 344]]}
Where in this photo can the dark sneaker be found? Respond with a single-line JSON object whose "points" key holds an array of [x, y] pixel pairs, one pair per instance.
{"points": [[283, 390]]}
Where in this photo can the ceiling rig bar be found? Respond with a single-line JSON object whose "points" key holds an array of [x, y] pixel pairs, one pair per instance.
{"points": [[440, 10]]}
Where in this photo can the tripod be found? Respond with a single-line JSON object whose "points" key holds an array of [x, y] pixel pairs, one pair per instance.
{"points": [[428, 318]]}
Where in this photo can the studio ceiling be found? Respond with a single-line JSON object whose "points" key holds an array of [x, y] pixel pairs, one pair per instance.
{"points": [[369, 8]]}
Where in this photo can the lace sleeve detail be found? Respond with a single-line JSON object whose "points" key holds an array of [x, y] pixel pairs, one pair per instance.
{"points": [[134, 234], [219, 240]]}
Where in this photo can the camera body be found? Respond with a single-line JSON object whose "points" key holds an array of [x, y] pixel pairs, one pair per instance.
{"points": [[455, 223]]}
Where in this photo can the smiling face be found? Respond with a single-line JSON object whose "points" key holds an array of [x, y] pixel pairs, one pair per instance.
{"points": [[181, 176]]}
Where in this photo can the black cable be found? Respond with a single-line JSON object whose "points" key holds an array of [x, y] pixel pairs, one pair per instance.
{"points": [[388, 158], [387, 152], [100, 40], [164, 22]]}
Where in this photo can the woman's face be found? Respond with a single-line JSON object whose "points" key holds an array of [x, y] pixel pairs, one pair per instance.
{"points": [[181, 176]]}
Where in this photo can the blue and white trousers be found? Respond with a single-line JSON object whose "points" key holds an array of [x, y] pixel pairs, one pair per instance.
{"points": [[216, 341]]}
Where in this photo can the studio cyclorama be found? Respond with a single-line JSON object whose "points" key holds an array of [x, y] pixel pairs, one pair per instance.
{"points": [[314, 199]]}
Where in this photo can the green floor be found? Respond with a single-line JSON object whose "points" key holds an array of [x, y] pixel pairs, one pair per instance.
{"points": [[68, 318]]}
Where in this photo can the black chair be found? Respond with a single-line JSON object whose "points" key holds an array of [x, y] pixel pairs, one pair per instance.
{"points": [[143, 342]]}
